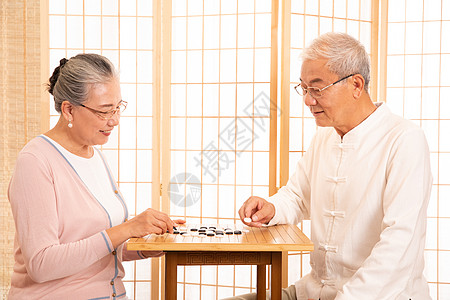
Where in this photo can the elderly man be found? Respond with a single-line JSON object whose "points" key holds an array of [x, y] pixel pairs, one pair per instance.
{"points": [[364, 183]]}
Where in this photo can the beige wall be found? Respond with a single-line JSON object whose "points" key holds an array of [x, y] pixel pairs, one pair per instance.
{"points": [[20, 112]]}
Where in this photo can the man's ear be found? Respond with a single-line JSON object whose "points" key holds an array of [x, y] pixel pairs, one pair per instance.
{"points": [[66, 110], [357, 82]]}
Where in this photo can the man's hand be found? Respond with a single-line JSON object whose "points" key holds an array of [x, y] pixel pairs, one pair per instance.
{"points": [[258, 209]]}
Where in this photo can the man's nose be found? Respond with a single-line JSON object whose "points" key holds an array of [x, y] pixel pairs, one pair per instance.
{"points": [[309, 100]]}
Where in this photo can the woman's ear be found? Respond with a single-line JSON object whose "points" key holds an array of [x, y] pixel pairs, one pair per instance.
{"points": [[66, 110], [358, 83]]}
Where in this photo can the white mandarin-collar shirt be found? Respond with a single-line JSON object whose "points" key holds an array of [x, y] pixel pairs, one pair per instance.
{"points": [[366, 195]]}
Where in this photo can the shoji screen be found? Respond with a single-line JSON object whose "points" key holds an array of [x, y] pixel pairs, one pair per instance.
{"points": [[418, 88], [304, 21], [219, 124], [121, 31], [20, 109]]}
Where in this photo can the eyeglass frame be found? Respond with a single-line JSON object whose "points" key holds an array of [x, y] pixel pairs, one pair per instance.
{"points": [[320, 90], [114, 111]]}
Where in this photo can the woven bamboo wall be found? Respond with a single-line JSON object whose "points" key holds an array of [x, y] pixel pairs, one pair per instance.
{"points": [[20, 91]]}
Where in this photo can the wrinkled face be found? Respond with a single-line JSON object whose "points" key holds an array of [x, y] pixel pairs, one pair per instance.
{"points": [[336, 104], [89, 128]]}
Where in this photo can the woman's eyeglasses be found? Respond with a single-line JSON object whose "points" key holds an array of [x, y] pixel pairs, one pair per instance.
{"points": [[106, 115]]}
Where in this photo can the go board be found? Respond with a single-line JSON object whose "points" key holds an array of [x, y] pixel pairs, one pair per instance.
{"points": [[233, 237]]}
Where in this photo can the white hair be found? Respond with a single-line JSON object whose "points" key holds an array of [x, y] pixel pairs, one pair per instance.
{"points": [[345, 55], [73, 78]]}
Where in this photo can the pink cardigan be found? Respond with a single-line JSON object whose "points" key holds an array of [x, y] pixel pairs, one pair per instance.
{"points": [[61, 248]]}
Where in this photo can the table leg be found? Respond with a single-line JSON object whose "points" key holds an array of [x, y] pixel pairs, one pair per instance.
{"points": [[277, 269], [261, 282], [171, 276]]}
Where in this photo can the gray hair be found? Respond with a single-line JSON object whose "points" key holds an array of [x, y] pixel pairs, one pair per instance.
{"points": [[345, 55], [72, 79]]}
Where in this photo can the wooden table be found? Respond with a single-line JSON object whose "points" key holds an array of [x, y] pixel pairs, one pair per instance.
{"points": [[255, 246]]}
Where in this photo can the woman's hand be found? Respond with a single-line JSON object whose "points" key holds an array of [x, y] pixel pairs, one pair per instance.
{"points": [[179, 222], [148, 254], [148, 222]]}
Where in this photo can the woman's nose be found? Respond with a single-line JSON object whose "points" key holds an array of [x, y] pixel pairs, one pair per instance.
{"points": [[115, 119]]}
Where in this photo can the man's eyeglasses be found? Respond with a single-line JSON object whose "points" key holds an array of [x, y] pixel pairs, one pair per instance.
{"points": [[315, 92], [106, 115]]}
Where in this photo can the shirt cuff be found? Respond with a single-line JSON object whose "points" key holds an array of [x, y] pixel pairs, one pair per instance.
{"points": [[276, 219]]}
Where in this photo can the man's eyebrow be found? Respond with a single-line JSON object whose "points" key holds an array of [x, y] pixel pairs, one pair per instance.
{"points": [[315, 80]]}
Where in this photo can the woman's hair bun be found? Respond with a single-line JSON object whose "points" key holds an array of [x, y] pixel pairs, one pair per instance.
{"points": [[54, 78], [62, 62]]}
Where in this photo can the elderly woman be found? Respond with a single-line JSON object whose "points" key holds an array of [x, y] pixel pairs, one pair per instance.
{"points": [[71, 220]]}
